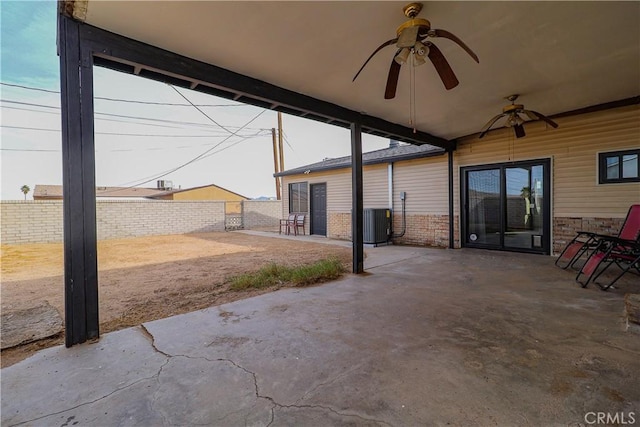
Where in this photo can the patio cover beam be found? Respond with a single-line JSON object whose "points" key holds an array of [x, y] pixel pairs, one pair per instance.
{"points": [[131, 56], [357, 199]]}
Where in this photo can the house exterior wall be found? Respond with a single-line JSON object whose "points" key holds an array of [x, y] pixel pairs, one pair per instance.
{"points": [[578, 201], [421, 179]]}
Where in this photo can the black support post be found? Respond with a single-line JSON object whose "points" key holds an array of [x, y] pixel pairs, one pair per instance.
{"points": [[357, 233], [79, 191], [451, 211]]}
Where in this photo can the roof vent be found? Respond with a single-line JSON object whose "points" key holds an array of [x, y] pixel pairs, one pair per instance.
{"points": [[393, 143]]}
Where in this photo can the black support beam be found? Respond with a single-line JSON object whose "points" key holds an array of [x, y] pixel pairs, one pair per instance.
{"points": [[357, 200], [127, 55], [78, 175], [451, 211]]}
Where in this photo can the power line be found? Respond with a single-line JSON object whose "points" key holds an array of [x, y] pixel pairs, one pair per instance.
{"points": [[201, 125], [195, 159], [198, 108], [123, 134], [103, 98], [103, 118], [180, 147]]}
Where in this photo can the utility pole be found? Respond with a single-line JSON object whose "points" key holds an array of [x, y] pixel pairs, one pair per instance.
{"points": [[280, 141], [275, 162]]}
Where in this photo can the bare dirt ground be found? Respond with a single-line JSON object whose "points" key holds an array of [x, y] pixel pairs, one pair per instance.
{"points": [[147, 278]]}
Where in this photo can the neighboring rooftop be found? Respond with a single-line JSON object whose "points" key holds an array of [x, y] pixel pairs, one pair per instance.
{"points": [[394, 153], [53, 192]]}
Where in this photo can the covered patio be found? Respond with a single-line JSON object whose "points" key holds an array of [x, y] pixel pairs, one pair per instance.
{"points": [[300, 58], [428, 337]]}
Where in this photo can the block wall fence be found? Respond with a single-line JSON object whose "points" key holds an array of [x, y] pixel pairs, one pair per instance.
{"points": [[41, 221]]}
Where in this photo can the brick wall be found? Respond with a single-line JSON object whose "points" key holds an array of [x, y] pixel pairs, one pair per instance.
{"points": [[41, 221], [424, 230], [261, 215], [339, 226], [565, 228]]}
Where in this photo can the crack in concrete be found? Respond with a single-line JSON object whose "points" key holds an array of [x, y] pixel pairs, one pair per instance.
{"points": [[295, 405], [149, 336], [84, 403], [168, 356], [330, 381]]}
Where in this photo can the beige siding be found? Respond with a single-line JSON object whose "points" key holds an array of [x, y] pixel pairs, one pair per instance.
{"points": [[426, 183], [376, 186], [573, 148], [338, 189]]}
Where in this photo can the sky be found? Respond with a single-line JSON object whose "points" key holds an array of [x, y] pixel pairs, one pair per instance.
{"points": [[141, 135]]}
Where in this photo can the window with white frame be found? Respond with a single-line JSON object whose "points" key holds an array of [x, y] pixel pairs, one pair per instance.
{"points": [[298, 197], [619, 166]]}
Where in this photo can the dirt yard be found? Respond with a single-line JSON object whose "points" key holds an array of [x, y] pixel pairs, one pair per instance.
{"points": [[148, 278]]}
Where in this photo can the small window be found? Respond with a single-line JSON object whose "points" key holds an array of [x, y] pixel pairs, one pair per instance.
{"points": [[298, 197], [619, 166]]}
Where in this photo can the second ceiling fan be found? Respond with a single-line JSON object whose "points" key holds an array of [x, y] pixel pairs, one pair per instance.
{"points": [[413, 45]]}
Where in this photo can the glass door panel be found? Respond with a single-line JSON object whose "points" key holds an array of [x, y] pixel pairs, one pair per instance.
{"points": [[483, 204], [524, 202], [507, 206]]}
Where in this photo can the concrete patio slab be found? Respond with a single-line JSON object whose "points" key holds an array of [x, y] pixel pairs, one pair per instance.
{"points": [[429, 337]]}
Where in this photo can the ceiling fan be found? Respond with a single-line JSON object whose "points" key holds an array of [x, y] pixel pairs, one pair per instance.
{"points": [[514, 120], [412, 40]]}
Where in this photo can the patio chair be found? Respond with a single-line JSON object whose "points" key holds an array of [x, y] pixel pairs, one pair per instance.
{"points": [[610, 250], [584, 243], [288, 224], [300, 223]]}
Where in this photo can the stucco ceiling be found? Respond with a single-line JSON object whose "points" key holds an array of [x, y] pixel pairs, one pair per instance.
{"points": [[559, 56]]}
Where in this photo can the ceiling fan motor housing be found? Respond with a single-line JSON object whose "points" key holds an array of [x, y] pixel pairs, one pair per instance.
{"points": [[512, 108]]}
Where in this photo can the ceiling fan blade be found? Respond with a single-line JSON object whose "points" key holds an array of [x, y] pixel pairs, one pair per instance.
{"points": [[519, 130], [447, 35], [490, 123], [543, 117], [530, 114], [442, 67], [383, 45], [392, 79]]}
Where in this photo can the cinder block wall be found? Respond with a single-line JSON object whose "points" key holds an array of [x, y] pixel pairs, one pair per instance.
{"points": [[261, 214], [41, 221], [131, 218], [31, 221]]}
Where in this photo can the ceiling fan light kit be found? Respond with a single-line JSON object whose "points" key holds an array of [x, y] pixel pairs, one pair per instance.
{"points": [[411, 42], [514, 119]]}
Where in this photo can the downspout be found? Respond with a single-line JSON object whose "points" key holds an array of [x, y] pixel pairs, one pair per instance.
{"points": [[451, 226], [402, 198]]}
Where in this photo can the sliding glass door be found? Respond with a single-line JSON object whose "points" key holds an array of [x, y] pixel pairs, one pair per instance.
{"points": [[506, 206]]}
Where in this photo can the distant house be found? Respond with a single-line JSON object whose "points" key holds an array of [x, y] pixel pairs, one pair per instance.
{"points": [[205, 192], [54, 192]]}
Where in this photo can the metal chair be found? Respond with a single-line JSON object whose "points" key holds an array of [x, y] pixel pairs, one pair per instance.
{"points": [[288, 224], [300, 223]]}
